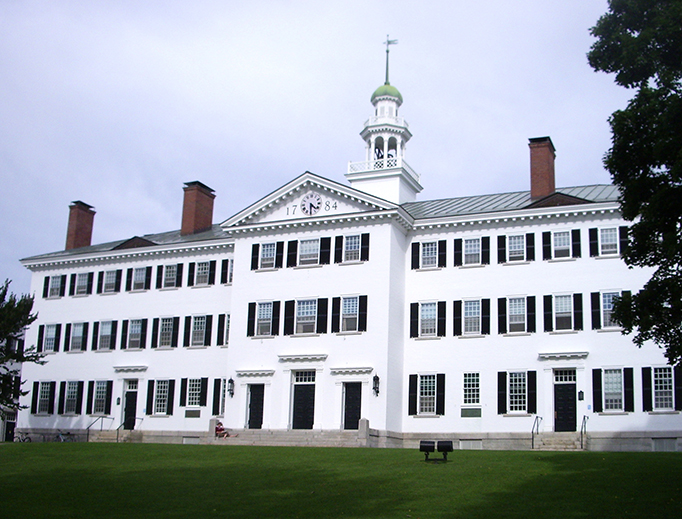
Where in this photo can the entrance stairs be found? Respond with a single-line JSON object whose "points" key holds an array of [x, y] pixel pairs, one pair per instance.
{"points": [[293, 438], [110, 436], [558, 441]]}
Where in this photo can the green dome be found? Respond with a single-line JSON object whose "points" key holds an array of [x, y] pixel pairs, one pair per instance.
{"points": [[387, 90]]}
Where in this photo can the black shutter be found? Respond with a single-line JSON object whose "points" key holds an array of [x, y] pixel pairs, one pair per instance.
{"points": [[107, 402], [411, 396], [72, 285], [211, 272], [594, 242], [577, 312], [362, 314], [203, 395], [596, 311], [251, 321], [224, 271], [143, 334], [84, 341], [79, 397], [46, 287], [62, 397], [217, 383], [62, 286], [647, 400], [502, 315], [485, 250], [148, 278], [458, 252], [124, 334], [155, 332], [322, 307], [183, 392], [178, 275], [442, 254], [176, 332], [67, 337], [530, 314], [501, 392], [275, 318], [532, 390], [575, 243], [188, 331], [440, 330], [338, 249], [336, 314], [90, 397], [100, 282], [629, 390], [95, 335], [530, 246], [289, 312], [292, 253], [171, 395], [129, 280], [220, 340], [279, 254], [117, 285], [255, 256], [34, 397], [501, 249], [623, 238], [114, 328], [159, 277], [677, 374], [364, 246], [485, 316], [546, 245], [415, 255], [457, 318], [91, 278], [547, 313], [325, 250], [190, 274], [53, 391], [150, 397], [440, 394], [596, 391], [57, 336], [41, 332], [414, 320], [208, 329]]}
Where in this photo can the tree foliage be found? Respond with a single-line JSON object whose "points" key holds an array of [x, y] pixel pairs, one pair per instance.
{"points": [[15, 316], [640, 41]]}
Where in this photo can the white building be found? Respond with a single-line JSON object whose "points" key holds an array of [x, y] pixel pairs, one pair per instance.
{"points": [[357, 314]]}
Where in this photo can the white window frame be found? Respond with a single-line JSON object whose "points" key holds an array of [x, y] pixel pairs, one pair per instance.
{"points": [[71, 397], [663, 388], [517, 391], [99, 400], [351, 248], [135, 334], [309, 252], [471, 317], [104, 341], [170, 276], [516, 319], [608, 241], [109, 282], [193, 392], [471, 388], [306, 316], [230, 271], [76, 339], [516, 254], [227, 329], [198, 330], [561, 244], [471, 251], [350, 311], [426, 402], [429, 255], [428, 319], [50, 338], [613, 390], [161, 394], [561, 302], [268, 253], [44, 398], [139, 278], [202, 273], [55, 286], [81, 284], [165, 332], [264, 314], [607, 308]]}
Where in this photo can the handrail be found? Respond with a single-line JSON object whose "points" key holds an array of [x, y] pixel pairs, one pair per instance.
{"points": [[583, 429], [118, 429], [536, 425], [98, 419]]}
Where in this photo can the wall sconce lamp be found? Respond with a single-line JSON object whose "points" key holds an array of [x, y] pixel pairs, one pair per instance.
{"points": [[581, 396], [230, 387], [375, 385]]}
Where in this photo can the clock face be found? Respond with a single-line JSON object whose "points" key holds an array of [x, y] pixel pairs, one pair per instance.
{"points": [[311, 204]]}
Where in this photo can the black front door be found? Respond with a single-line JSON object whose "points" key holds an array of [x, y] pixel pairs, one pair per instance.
{"points": [[564, 407], [9, 431], [256, 392], [130, 410], [304, 406], [352, 400]]}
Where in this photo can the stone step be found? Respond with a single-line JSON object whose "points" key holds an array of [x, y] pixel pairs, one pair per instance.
{"points": [[562, 441]]}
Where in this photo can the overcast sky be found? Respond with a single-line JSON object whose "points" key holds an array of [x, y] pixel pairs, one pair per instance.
{"points": [[118, 103]]}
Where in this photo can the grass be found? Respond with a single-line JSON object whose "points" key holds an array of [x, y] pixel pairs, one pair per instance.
{"points": [[74, 480]]}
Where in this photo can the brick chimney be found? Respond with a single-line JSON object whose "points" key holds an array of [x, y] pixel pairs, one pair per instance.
{"points": [[79, 231], [197, 208], [542, 154]]}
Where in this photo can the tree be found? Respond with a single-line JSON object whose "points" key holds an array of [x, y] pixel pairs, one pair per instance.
{"points": [[641, 42], [15, 316]]}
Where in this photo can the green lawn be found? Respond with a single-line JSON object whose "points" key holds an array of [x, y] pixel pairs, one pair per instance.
{"points": [[73, 480]]}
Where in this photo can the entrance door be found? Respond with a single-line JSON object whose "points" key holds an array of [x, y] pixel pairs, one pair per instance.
{"points": [[130, 405], [256, 392], [565, 401], [351, 406]]}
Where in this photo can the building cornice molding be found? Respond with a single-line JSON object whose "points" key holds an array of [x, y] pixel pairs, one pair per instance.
{"points": [[130, 369], [255, 372], [303, 357], [570, 355], [351, 371]]}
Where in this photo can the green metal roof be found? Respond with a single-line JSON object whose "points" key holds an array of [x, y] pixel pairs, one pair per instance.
{"points": [[387, 90]]}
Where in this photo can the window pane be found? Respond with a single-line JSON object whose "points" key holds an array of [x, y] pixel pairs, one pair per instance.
{"points": [[472, 251], [71, 397], [81, 284], [562, 244], [517, 314], [306, 314], [267, 255], [135, 333], [161, 400], [169, 276], [264, 318], [55, 286], [139, 277], [198, 330], [563, 312], [309, 253], [517, 391], [50, 336], [472, 317], [202, 273], [44, 398], [429, 312], [429, 254], [352, 248], [166, 333], [427, 394], [471, 388], [77, 337], [663, 388], [607, 307], [194, 392], [517, 248], [608, 241], [349, 314], [110, 281], [613, 389]]}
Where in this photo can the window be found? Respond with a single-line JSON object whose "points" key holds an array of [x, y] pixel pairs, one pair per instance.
{"points": [[71, 397], [472, 251], [602, 309], [106, 335], [51, 338], [429, 255], [517, 314], [267, 255], [608, 241], [349, 314], [135, 334], [194, 392], [517, 391], [663, 388], [562, 244], [166, 332], [613, 390], [198, 330], [227, 271], [170, 273], [224, 330], [351, 249], [426, 394], [264, 319], [162, 396], [78, 337], [100, 400], [202, 273], [82, 284], [309, 252], [607, 309], [472, 390], [306, 313], [472, 317], [46, 398], [427, 320], [517, 248], [110, 281], [56, 286], [219, 394], [139, 278], [563, 312]]}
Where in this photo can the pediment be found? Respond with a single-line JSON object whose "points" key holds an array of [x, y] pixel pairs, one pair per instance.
{"points": [[558, 199], [134, 243], [308, 197]]}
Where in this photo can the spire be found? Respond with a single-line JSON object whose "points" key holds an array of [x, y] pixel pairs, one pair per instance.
{"points": [[387, 43]]}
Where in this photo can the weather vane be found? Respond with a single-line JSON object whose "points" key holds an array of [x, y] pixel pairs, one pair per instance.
{"points": [[387, 43]]}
